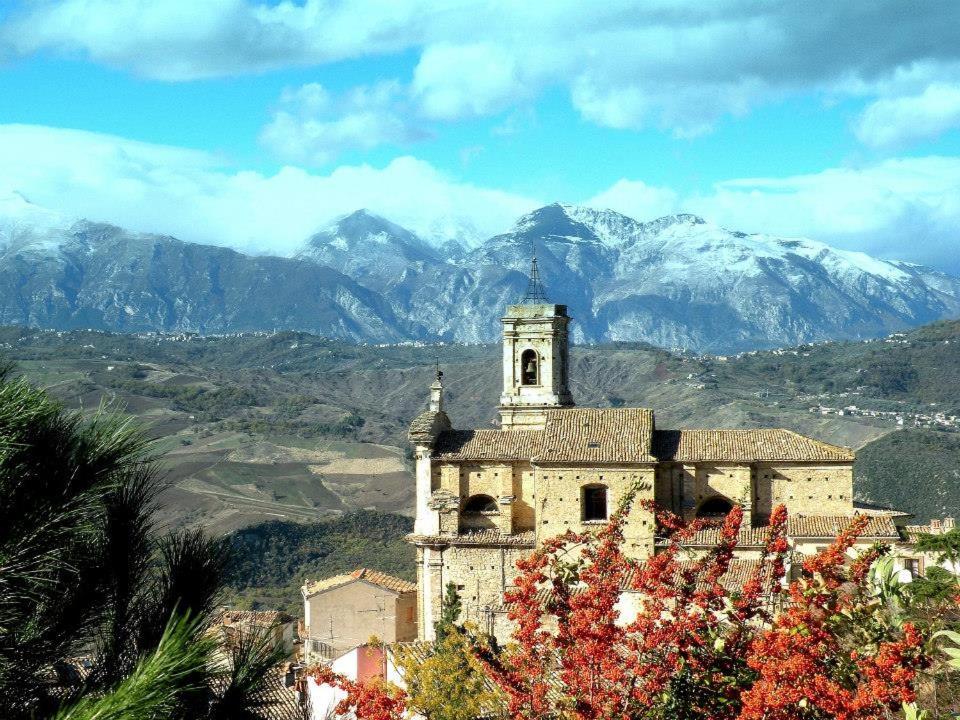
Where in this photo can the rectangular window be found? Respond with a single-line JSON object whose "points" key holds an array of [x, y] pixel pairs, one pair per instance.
{"points": [[594, 503]]}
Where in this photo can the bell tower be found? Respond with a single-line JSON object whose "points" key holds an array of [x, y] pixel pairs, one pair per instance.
{"points": [[535, 359]]}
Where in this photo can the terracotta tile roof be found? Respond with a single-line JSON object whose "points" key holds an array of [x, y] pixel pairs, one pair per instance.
{"points": [[387, 582], [738, 572], [597, 435], [744, 446], [749, 537], [880, 527], [477, 537], [488, 444], [823, 526], [272, 701], [264, 618]]}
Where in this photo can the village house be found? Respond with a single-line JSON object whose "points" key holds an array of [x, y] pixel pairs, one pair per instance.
{"points": [[485, 497], [345, 611], [233, 625], [915, 563]]}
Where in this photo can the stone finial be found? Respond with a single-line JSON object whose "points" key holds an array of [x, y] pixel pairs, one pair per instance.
{"points": [[436, 392]]}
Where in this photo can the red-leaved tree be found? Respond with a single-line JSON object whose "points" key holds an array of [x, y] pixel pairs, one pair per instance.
{"points": [[599, 635]]}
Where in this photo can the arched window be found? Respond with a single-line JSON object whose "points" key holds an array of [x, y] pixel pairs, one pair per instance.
{"points": [[480, 504], [715, 507], [529, 368], [594, 502]]}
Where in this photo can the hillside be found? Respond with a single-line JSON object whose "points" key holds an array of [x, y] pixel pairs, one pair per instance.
{"points": [[676, 281], [274, 559], [291, 426], [916, 469]]}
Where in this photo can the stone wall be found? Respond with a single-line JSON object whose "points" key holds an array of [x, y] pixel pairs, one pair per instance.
{"points": [[350, 614], [558, 502], [481, 575], [808, 489]]}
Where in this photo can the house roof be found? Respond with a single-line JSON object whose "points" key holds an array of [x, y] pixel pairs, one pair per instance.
{"points": [[622, 435], [427, 426], [265, 618], [601, 435], [774, 444], [803, 527], [488, 444], [380, 579]]}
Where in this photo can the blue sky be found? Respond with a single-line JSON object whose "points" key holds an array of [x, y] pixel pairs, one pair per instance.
{"points": [[249, 124]]}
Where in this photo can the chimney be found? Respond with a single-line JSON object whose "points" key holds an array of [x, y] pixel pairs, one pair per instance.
{"points": [[935, 525], [948, 524]]}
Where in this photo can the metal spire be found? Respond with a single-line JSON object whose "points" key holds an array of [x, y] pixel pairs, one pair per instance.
{"points": [[535, 293]]}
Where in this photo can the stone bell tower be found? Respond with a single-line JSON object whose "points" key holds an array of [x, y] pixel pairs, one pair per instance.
{"points": [[535, 359]]}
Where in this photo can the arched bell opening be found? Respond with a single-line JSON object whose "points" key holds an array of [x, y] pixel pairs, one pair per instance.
{"points": [[529, 368]]}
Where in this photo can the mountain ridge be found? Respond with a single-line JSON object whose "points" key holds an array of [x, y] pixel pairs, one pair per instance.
{"points": [[674, 281]]}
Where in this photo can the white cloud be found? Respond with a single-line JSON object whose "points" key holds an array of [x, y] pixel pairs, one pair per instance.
{"points": [[636, 199], [456, 81], [906, 209], [896, 121], [312, 127], [196, 196], [673, 65]]}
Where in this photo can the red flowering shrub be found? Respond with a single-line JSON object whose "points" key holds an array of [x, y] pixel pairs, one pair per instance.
{"points": [[368, 700], [693, 647]]}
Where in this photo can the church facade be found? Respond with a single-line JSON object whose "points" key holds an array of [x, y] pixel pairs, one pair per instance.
{"points": [[485, 497]]}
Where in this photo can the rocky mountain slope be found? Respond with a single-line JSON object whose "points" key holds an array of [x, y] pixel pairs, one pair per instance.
{"points": [[677, 281], [61, 273]]}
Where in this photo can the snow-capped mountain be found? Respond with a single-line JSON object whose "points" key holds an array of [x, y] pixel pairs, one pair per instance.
{"points": [[673, 281], [59, 273]]}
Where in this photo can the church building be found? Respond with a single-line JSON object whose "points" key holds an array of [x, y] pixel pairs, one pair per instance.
{"points": [[486, 497]]}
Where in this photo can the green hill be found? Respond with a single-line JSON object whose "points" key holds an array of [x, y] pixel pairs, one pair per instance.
{"points": [[914, 470]]}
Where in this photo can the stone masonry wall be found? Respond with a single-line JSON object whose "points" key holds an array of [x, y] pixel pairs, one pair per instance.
{"points": [[805, 488]]}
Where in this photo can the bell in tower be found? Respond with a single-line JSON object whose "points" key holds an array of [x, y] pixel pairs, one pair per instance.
{"points": [[535, 358]]}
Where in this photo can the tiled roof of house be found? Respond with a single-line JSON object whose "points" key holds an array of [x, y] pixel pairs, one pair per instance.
{"points": [[264, 618], [880, 527], [736, 576], [744, 446], [488, 444], [738, 572], [273, 701], [492, 538], [605, 435], [828, 526], [387, 582]]}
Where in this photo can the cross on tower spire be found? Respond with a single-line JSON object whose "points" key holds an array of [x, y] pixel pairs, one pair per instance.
{"points": [[535, 292]]}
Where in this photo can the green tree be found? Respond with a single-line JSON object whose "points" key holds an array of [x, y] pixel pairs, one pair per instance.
{"points": [[945, 546], [83, 572], [450, 608], [450, 683]]}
